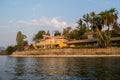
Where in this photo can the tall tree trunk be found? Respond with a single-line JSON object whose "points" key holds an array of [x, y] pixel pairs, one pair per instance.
{"points": [[108, 29], [87, 25], [98, 31]]}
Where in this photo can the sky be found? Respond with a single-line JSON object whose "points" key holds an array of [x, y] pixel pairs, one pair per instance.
{"points": [[30, 16]]}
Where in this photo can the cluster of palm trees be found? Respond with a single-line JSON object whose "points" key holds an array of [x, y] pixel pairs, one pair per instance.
{"points": [[97, 22]]}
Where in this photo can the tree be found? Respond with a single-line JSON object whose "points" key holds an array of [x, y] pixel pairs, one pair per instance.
{"points": [[81, 29], [98, 21], [39, 35], [57, 33], [20, 40], [48, 33], [11, 49], [86, 19], [25, 43], [105, 41], [109, 17], [103, 38], [74, 34], [66, 32]]}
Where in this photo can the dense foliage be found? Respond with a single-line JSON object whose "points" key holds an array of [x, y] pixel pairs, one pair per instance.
{"points": [[98, 22], [11, 49], [57, 33], [40, 34]]}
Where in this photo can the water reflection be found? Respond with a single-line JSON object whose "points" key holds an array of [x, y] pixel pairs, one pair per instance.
{"points": [[60, 69]]}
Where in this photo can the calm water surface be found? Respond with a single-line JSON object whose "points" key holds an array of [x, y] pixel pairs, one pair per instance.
{"points": [[16, 68]]}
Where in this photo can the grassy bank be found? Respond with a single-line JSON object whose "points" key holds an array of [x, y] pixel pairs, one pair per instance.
{"points": [[70, 51]]}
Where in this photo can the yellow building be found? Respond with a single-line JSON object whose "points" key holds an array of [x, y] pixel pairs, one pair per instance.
{"points": [[51, 42]]}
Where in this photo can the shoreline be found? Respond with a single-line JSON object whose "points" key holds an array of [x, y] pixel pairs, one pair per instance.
{"points": [[69, 52], [59, 56]]}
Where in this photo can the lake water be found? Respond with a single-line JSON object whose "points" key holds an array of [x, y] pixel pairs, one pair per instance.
{"points": [[18, 68]]}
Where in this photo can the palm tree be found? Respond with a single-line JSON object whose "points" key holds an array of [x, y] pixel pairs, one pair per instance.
{"points": [[57, 33], [86, 19], [96, 23], [94, 19], [109, 17], [80, 22], [105, 18]]}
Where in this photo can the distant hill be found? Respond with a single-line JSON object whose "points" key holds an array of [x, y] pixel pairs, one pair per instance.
{"points": [[2, 51], [2, 48]]}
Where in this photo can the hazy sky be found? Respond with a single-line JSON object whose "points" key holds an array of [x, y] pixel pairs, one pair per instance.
{"points": [[30, 16]]}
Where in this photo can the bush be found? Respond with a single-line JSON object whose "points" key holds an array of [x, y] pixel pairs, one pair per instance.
{"points": [[11, 49], [83, 36], [104, 41]]}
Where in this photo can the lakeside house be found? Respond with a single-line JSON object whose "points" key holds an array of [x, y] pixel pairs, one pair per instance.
{"points": [[26, 47], [51, 42], [92, 42]]}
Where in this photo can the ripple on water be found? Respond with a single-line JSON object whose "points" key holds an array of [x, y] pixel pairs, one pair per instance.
{"points": [[12, 68]]}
